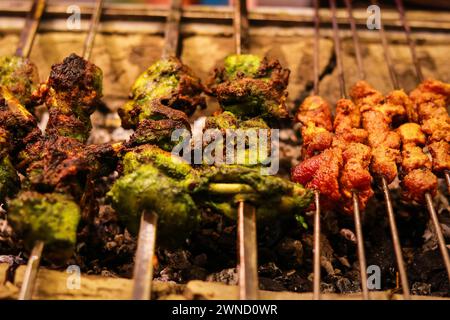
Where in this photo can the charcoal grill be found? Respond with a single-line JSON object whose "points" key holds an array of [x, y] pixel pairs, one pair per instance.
{"points": [[292, 25]]}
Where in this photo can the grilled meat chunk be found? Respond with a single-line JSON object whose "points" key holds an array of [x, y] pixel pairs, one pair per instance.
{"points": [[166, 85], [378, 113], [9, 180], [20, 76], [355, 176], [416, 166], [249, 86], [52, 218], [418, 182], [315, 115], [71, 93], [440, 151], [431, 99], [17, 121], [273, 197], [321, 173], [155, 180], [315, 110]]}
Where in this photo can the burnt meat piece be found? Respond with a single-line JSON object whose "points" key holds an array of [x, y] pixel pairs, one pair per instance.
{"points": [[249, 86]]}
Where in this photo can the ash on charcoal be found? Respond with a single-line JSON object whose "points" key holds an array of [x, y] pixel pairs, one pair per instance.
{"points": [[290, 252], [420, 288], [227, 276]]}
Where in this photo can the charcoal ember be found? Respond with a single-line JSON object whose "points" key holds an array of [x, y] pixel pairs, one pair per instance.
{"points": [[216, 240], [420, 288], [196, 273], [170, 275], [269, 270], [343, 282], [178, 259], [427, 267], [290, 252], [270, 284], [14, 262], [227, 276], [327, 288], [345, 285], [200, 260], [297, 282]]}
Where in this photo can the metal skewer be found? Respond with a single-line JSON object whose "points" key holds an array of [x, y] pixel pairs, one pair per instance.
{"points": [[172, 32], [440, 236], [387, 55], [95, 21], [31, 26], [247, 241], [316, 250], [356, 211], [29, 279], [415, 59], [23, 50], [316, 232], [32, 268], [143, 264], [428, 197], [411, 43], [361, 71], [384, 184]]}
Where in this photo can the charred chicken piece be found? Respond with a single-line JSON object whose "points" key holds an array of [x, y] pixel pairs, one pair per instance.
{"points": [[166, 85], [321, 173], [20, 76], [315, 116], [9, 180], [341, 167], [273, 197], [350, 138], [416, 166], [17, 121], [153, 179], [58, 167], [249, 86], [417, 183], [51, 217], [347, 124], [355, 176], [431, 99], [377, 116], [440, 151], [71, 94]]}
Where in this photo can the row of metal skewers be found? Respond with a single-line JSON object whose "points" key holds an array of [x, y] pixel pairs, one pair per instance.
{"points": [[24, 50], [383, 180], [248, 268], [143, 271]]}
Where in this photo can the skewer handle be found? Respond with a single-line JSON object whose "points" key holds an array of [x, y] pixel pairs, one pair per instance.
{"points": [[29, 279], [396, 241], [143, 265], [316, 47], [95, 21], [248, 253], [316, 253], [338, 50], [447, 179], [241, 27], [29, 31], [411, 42], [438, 230], [172, 32], [360, 245]]}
